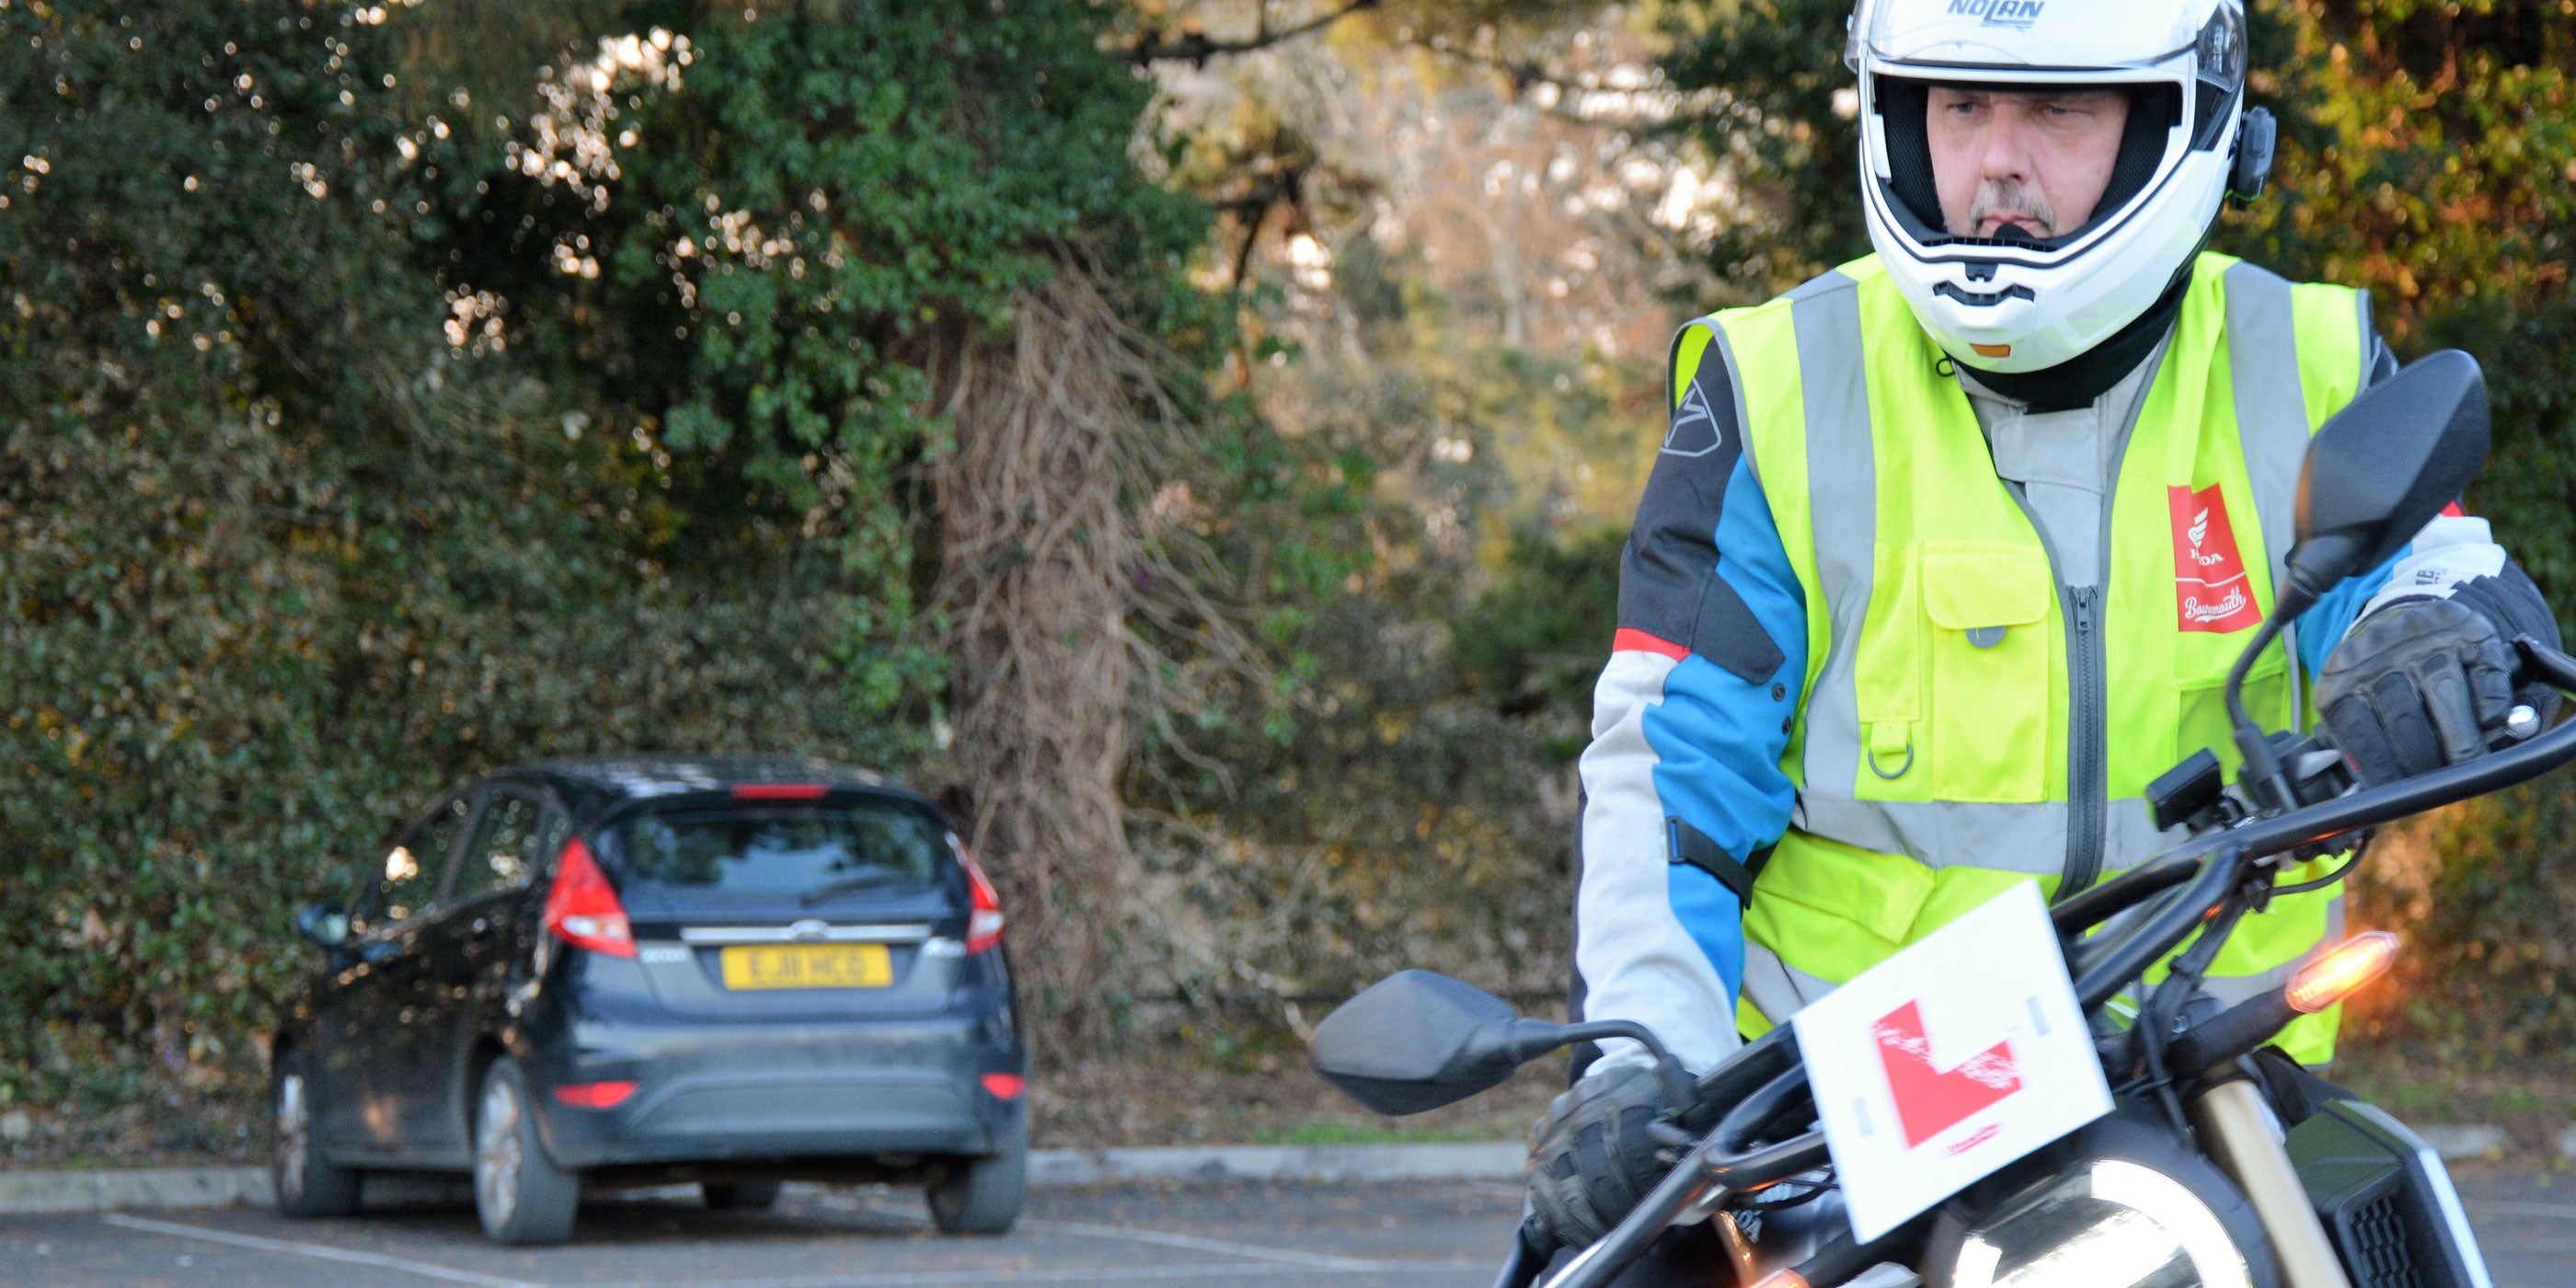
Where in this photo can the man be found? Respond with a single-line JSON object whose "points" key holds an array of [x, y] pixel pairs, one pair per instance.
{"points": [[1948, 552]]}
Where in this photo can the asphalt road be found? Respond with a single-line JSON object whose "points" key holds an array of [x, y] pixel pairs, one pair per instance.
{"points": [[1208, 1237]]}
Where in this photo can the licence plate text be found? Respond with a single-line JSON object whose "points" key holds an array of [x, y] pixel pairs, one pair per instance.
{"points": [[807, 966]]}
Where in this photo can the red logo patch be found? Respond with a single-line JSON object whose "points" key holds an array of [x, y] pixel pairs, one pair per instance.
{"points": [[2210, 589], [1932, 1100]]}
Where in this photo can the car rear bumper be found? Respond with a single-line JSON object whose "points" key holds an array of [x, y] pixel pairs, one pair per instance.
{"points": [[718, 1092]]}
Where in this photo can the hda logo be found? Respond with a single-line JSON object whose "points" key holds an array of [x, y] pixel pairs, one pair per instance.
{"points": [[1999, 13]]}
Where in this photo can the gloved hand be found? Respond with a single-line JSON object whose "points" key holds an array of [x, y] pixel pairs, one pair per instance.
{"points": [[1591, 1157], [2423, 683]]}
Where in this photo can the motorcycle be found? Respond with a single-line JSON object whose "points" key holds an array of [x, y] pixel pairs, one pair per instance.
{"points": [[2220, 1164]]}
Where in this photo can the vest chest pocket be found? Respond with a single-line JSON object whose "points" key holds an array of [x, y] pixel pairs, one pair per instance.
{"points": [[2200, 694], [1953, 673]]}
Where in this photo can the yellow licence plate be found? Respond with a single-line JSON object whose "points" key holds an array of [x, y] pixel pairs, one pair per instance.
{"points": [[807, 966]]}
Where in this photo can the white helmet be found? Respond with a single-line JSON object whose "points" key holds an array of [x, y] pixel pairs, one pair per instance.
{"points": [[2026, 305]]}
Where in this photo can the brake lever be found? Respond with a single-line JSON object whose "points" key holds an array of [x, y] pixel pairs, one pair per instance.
{"points": [[2552, 667], [1532, 1245]]}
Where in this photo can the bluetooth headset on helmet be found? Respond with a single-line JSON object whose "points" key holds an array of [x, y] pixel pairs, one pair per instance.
{"points": [[2017, 305]]}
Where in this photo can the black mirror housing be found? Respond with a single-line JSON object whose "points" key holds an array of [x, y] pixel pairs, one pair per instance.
{"points": [[2382, 468], [325, 923], [1418, 1040]]}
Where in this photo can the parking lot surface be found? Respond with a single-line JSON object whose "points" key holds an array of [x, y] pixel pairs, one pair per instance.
{"points": [[1197, 1237]]}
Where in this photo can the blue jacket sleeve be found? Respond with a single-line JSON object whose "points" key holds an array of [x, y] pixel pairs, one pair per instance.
{"points": [[1684, 792]]}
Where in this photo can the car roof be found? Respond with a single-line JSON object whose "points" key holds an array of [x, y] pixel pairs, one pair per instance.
{"points": [[615, 779]]}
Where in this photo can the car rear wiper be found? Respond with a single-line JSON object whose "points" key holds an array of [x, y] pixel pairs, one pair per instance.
{"points": [[847, 885]]}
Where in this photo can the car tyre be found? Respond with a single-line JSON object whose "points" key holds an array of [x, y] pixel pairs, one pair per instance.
{"points": [[983, 1195], [308, 1184], [739, 1196], [522, 1196]]}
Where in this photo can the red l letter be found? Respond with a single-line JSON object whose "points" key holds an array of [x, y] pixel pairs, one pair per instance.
{"points": [[1930, 1101]]}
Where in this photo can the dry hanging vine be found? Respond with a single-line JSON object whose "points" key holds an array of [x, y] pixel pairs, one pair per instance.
{"points": [[1051, 560]]}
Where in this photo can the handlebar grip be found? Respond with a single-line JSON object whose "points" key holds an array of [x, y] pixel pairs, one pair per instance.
{"points": [[2229, 1034]]}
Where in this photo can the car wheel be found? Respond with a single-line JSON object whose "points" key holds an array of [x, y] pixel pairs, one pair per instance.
{"points": [[307, 1183], [739, 1196], [522, 1196], [983, 1195]]}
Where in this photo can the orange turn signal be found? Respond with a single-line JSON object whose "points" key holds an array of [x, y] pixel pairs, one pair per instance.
{"points": [[1783, 1279], [2342, 971]]}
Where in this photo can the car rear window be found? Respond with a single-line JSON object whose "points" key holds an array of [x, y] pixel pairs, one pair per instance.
{"points": [[781, 850]]}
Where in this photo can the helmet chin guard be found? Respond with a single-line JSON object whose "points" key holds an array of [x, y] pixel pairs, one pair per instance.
{"points": [[2018, 304]]}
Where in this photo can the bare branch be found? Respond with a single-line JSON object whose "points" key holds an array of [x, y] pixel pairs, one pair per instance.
{"points": [[1196, 48]]}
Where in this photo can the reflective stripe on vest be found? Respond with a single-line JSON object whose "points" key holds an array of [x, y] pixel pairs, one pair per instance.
{"points": [[1932, 751]]}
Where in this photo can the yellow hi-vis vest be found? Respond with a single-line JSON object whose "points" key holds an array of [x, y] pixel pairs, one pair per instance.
{"points": [[1968, 721]]}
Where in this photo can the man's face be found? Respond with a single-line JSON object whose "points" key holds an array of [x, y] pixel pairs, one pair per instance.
{"points": [[2037, 158]]}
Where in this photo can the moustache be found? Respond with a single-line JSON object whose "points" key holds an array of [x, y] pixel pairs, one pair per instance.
{"points": [[2012, 198]]}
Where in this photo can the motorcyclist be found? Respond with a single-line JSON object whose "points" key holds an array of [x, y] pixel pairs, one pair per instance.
{"points": [[1947, 553]]}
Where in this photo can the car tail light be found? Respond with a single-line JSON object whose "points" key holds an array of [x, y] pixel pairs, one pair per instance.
{"points": [[1005, 1086], [582, 908], [984, 905], [778, 791], [594, 1095]]}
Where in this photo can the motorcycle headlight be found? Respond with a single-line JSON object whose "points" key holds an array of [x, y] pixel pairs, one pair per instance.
{"points": [[2114, 1224]]}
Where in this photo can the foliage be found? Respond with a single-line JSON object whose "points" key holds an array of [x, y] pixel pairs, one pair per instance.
{"points": [[762, 219], [285, 560], [2485, 892], [1774, 130], [1463, 299]]}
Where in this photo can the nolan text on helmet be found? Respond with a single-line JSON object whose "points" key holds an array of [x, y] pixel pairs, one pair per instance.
{"points": [[1999, 13]]}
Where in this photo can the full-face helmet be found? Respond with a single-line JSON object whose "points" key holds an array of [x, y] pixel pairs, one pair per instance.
{"points": [[2017, 305]]}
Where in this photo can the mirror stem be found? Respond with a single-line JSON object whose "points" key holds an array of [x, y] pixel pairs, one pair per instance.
{"points": [[2261, 769], [1534, 1038]]}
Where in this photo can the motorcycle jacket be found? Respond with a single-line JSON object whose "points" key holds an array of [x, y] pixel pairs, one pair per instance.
{"points": [[1890, 641]]}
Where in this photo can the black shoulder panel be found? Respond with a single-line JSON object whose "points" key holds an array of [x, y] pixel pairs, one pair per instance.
{"points": [[1668, 581]]}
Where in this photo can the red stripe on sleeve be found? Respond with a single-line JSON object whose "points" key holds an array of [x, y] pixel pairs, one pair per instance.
{"points": [[2454, 511], [1635, 641]]}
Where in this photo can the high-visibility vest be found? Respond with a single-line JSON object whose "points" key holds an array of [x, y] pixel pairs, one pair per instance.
{"points": [[1968, 722]]}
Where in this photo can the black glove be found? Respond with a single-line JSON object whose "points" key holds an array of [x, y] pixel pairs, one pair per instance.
{"points": [[1592, 1158], [2424, 683], [2513, 603]]}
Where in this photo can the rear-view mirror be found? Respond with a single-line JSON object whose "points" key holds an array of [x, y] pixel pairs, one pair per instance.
{"points": [[325, 923], [2382, 468], [1417, 1040]]}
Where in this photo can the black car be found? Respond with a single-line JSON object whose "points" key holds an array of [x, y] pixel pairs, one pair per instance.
{"points": [[639, 971]]}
